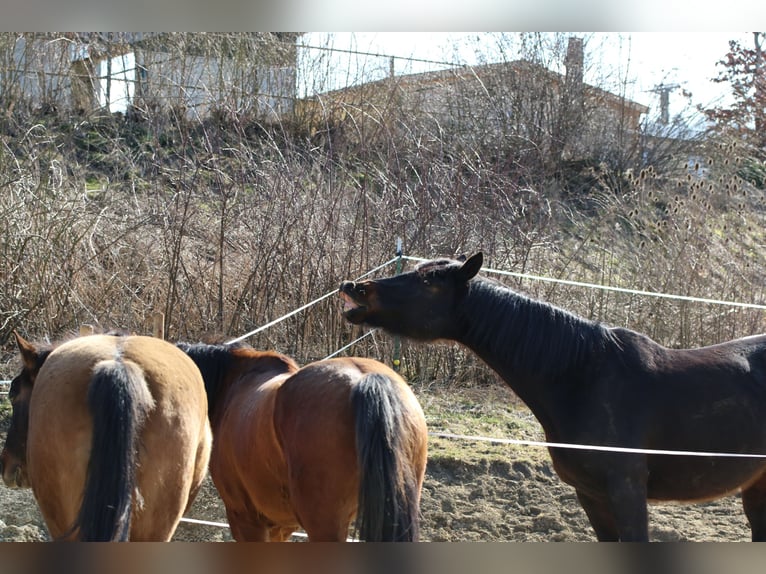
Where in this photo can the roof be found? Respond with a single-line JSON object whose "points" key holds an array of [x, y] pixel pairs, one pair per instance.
{"points": [[452, 75]]}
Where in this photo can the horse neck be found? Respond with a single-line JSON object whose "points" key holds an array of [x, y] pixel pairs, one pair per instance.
{"points": [[224, 370], [532, 345], [212, 362]]}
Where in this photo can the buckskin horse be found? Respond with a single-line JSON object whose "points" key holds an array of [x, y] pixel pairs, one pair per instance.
{"points": [[312, 447], [596, 385], [111, 433]]}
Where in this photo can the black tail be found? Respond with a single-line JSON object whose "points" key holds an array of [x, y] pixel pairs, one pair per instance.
{"points": [[119, 401], [388, 490]]}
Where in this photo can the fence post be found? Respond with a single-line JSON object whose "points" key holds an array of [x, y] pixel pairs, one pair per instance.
{"points": [[397, 340], [158, 325]]}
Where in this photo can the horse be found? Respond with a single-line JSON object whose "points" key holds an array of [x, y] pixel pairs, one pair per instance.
{"points": [[111, 433], [592, 384], [312, 447]]}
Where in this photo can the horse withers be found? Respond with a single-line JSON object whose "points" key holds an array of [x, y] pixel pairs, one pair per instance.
{"points": [[111, 433], [590, 384], [313, 447]]}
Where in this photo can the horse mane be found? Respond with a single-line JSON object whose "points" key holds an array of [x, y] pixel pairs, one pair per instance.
{"points": [[216, 360], [41, 353], [532, 337]]}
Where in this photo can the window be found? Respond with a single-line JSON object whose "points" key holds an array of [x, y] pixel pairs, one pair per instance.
{"points": [[117, 82]]}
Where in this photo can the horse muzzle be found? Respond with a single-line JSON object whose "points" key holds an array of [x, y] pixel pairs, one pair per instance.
{"points": [[14, 475], [353, 309]]}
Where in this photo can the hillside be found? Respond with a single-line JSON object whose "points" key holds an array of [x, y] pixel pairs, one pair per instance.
{"points": [[224, 225]]}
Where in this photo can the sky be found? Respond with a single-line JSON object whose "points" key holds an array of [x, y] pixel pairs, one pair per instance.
{"points": [[672, 42], [374, 15], [688, 59], [647, 59]]}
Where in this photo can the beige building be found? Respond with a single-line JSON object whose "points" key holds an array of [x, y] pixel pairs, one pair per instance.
{"points": [[195, 72], [519, 100]]}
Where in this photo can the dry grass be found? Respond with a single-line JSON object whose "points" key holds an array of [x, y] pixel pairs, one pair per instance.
{"points": [[223, 224]]}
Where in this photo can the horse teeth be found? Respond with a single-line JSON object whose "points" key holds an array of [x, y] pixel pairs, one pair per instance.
{"points": [[348, 302]]}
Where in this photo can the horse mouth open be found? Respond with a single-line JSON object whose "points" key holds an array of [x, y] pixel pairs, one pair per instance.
{"points": [[353, 310]]}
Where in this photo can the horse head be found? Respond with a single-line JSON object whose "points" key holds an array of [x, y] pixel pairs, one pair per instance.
{"points": [[419, 304], [13, 459]]}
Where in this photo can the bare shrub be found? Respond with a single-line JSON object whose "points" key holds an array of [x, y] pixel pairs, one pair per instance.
{"points": [[226, 221]]}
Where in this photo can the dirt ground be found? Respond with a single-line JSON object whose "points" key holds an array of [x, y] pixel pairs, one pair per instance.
{"points": [[497, 501], [490, 499]]}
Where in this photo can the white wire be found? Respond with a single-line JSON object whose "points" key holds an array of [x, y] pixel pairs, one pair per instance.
{"points": [[609, 288], [595, 447], [299, 309], [297, 534], [351, 344]]}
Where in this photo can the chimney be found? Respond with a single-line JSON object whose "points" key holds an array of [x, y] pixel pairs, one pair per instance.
{"points": [[574, 63], [571, 108], [665, 107]]}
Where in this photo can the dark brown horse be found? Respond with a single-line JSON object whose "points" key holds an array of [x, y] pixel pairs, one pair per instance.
{"points": [[312, 447], [111, 433], [594, 385]]}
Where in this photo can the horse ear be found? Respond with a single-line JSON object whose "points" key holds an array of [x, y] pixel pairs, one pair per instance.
{"points": [[471, 267], [28, 351]]}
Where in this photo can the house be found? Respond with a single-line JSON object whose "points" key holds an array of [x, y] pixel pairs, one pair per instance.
{"points": [[521, 102], [194, 72]]}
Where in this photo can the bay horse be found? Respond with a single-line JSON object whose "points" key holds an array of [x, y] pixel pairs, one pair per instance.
{"points": [[111, 433], [591, 384], [312, 447]]}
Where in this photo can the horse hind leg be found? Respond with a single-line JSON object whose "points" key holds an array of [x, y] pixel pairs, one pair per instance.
{"points": [[322, 501], [201, 463], [246, 528], [327, 529], [754, 504], [280, 533]]}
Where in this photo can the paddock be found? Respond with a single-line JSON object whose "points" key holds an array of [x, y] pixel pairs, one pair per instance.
{"points": [[474, 489]]}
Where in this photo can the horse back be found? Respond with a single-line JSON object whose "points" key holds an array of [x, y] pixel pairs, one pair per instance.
{"points": [[318, 397], [324, 388], [667, 398], [173, 381]]}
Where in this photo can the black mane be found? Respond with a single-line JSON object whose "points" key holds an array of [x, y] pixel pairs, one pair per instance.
{"points": [[534, 338], [213, 361]]}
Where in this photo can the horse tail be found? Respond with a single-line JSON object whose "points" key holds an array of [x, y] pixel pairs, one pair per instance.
{"points": [[388, 485], [119, 401]]}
